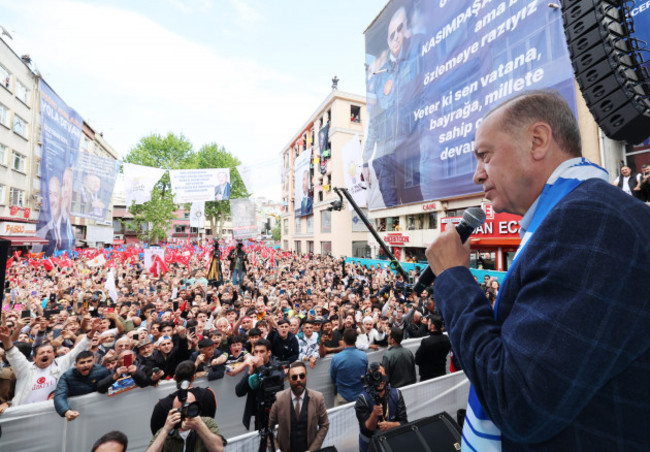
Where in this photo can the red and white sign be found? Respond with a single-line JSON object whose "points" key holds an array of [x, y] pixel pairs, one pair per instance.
{"points": [[396, 238], [429, 206], [9, 228], [488, 209], [500, 225]]}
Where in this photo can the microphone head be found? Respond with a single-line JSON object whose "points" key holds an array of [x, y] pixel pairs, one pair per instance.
{"points": [[474, 217]]}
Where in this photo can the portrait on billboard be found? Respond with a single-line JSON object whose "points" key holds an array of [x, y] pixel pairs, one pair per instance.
{"points": [[222, 189]]}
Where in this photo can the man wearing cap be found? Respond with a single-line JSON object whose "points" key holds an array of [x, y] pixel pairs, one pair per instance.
{"points": [[147, 363], [368, 335], [209, 361]]}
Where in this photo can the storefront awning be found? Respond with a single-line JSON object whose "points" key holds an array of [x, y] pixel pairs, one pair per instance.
{"points": [[24, 241], [495, 241]]}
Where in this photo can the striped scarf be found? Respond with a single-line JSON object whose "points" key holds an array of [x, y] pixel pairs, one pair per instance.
{"points": [[479, 432]]}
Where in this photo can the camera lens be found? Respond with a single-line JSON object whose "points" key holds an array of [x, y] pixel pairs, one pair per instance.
{"points": [[193, 410]]}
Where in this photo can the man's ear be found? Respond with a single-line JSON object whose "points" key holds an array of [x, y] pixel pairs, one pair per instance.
{"points": [[541, 137]]}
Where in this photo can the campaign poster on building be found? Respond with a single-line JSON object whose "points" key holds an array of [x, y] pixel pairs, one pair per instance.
{"points": [[303, 200], [433, 69], [210, 184], [640, 13], [244, 220], [353, 172], [60, 134], [94, 181], [139, 182]]}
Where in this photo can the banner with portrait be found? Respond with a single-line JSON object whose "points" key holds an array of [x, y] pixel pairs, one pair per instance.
{"points": [[433, 69], [303, 200], [244, 219], [353, 172], [139, 182], [209, 184], [60, 134], [94, 181]]}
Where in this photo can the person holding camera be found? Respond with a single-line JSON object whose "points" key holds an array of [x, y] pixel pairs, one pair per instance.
{"points": [[250, 385], [185, 371], [185, 430], [379, 407], [300, 414]]}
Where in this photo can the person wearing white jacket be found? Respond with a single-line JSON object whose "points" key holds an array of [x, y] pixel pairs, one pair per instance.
{"points": [[36, 380]]}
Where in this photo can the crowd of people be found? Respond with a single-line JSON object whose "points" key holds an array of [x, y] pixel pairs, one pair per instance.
{"points": [[66, 333]]}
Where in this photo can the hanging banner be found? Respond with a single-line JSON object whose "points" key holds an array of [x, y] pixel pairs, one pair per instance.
{"points": [[94, 181], [197, 215], [433, 70], [60, 135], [353, 172], [244, 220], [208, 184], [139, 182], [303, 201]]}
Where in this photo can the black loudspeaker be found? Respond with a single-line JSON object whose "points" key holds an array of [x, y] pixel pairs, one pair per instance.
{"points": [[438, 433], [607, 65]]}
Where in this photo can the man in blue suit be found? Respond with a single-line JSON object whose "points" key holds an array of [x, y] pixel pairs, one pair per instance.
{"points": [[222, 191], [563, 360]]}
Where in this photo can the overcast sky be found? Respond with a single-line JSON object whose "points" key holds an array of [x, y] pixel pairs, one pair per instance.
{"points": [[243, 74]]}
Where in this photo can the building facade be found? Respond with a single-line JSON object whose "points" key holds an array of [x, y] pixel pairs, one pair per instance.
{"points": [[21, 154], [324, 230]]}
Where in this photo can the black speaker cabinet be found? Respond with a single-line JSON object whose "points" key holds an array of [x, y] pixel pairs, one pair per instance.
{"points": [[438, 433], [607, 65]]}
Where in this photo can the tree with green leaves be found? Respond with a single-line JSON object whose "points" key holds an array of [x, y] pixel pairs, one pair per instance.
{"points": [[169, 152], [214, 156]]}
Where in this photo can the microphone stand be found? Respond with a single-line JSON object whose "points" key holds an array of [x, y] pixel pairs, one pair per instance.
{"points": [[338, 205]]}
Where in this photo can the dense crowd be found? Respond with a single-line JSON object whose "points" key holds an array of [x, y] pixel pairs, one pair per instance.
{"points": [[66, 333]]}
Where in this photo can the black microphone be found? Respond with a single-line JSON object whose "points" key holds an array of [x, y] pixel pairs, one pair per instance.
{"points": [[472, 219]]}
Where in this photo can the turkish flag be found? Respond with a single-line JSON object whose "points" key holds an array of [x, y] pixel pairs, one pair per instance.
{"points": [[26, 212], [13, 210]]}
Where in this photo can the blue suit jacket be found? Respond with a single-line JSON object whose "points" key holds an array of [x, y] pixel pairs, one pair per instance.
{"points": [[566, 365]]}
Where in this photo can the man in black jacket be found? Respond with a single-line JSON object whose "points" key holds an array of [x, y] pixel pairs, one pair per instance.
{"points": [[284, 344], [250, 386], [431, 356], [206, 398]]}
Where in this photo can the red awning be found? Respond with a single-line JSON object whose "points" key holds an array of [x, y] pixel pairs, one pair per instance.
{"points": [[25, 241]]}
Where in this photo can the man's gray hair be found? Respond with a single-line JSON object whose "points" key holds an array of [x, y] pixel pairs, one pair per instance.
{"points": [[544, 106]]}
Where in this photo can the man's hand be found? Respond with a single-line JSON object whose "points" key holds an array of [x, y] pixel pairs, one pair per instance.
{"points": [[378, 411], [387, 425], [173, 418], [199, 360], [312, 362], [157, 375], [5, 336], [447, 251], [3, 407], [192, 423], [71, 415]]}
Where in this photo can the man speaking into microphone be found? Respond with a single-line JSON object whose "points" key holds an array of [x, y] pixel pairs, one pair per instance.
{"points": [[563, 361]]}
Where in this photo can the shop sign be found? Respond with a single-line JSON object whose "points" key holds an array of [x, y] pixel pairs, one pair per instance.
{"points": [[396, 238], [429, 206], [501, 225], [8, 228]]}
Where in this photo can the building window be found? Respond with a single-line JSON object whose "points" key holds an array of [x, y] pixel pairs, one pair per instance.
{"points": [[298, 226], [310, 246], [20, 126], [85, 143], [3, 154], [433, 220], [38, 168], [4, 115], [360, 249], [186, 215], [310, 224], [2, 194], [355, 113], [5, 77], [298, 246], [326, 221], [16, 197], [285, 245], [286, 227], [326, 247], [18, 162], [22, 92], [179, 228]]}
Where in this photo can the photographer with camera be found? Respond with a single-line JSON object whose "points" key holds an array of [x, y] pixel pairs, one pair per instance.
{"points": [[184, 372], [185, 430], [379, 407], [263, 377]]}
